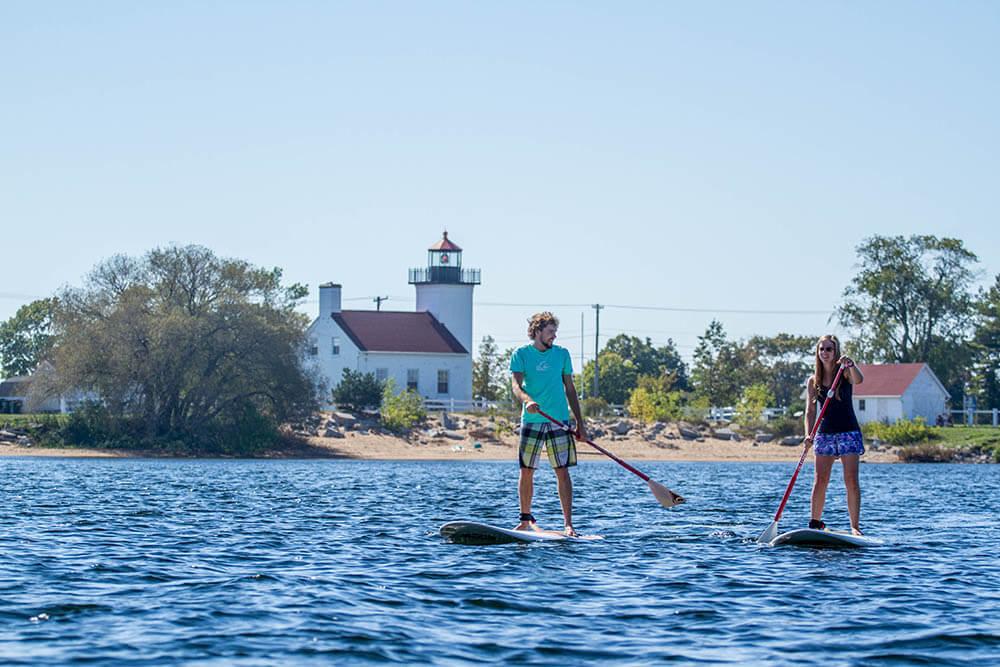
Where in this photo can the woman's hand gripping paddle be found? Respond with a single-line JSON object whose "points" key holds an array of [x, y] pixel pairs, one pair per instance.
{"points": [[665, 496], [771, 531]]}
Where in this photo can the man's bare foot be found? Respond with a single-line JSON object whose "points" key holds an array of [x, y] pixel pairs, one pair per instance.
{"points": [[856, 531], [569, 532]]}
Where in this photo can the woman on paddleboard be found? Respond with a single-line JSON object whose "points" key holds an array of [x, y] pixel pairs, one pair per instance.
{"points": [[839, 434]]}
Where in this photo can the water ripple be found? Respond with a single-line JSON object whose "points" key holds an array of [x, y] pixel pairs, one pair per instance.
{"points": [[319, 562]]}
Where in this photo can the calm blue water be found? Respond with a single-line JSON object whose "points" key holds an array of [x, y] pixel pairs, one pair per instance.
{"points": [[338, 562]]}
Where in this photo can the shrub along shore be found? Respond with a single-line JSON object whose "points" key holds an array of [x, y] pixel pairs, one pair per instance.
{"points": [[459, 436]]}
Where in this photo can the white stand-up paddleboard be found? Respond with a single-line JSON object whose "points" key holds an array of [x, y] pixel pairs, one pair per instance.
{"points": [[470, 532], [811, 537]]}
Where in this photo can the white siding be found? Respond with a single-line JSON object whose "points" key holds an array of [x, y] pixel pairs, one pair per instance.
{"points": [[878, 409], [924, 397], [451, 305], [459, 367], [331, 368]]}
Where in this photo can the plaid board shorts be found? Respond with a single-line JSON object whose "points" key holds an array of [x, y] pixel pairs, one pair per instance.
{"points": [[558, 442], [838, 444]]}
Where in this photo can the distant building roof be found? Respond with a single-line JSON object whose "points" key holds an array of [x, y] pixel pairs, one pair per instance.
{"points": [[444, 244], [889, 379], [387, 331]]}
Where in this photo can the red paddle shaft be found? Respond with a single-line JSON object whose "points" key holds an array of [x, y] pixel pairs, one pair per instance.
{"points": [[805, 449], [611, 456]]}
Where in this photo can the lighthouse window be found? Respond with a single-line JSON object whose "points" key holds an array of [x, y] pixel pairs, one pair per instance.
{"points": [[335, 350], [412, 379], [443, 382]]}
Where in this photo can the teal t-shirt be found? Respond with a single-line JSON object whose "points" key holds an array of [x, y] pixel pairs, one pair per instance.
{"points": [[543, 380]]}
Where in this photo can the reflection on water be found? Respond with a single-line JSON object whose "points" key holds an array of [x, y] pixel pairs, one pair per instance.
{"points": [[265, 562]]}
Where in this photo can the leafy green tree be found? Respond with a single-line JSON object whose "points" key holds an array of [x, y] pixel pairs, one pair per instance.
{"points": [[781, 362], [358, 391], [183, 345], [26, 338], [490, 374], [617, 380], [650, 360], [653, 400], [911, 296], [401, 410], [718, 366], [750, 408], [986, 348]]}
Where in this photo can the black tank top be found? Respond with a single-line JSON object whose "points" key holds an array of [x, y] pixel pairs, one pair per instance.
{"points": [[839, 417]]}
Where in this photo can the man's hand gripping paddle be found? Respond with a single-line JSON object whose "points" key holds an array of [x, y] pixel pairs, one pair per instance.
{"points": [[665, 496], [771, 531]]}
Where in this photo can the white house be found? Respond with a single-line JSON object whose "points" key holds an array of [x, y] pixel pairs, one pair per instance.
{"points": [[892, 392], [16, 394], [428, 350]]}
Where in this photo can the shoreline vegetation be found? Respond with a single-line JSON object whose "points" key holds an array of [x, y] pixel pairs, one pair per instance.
{"points": [[442, 436]]}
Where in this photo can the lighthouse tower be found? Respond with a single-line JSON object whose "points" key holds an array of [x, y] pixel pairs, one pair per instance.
{"points": [[444, 289]]}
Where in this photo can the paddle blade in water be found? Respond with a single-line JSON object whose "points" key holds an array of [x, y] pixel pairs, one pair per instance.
{"points": [[769, 533], [666, 497]]}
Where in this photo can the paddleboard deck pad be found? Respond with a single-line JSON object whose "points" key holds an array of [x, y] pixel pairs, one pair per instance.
{"points": [[471, 532], [811, 537]]}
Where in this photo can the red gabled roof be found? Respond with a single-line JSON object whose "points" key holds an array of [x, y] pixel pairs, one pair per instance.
{"points": [[887, 379], [445, 244], [387, 331]]}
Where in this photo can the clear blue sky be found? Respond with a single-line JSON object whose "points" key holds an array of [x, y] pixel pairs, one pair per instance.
{"points": [[715, 156]]}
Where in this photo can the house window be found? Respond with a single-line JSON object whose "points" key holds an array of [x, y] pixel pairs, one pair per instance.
{"points": [[336, 346], [381, 374], [442, 382], [861, 405], [313, 348], [412, 379]]}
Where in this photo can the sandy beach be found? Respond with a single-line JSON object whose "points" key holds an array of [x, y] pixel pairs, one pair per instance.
{"points": [[471, 441]]}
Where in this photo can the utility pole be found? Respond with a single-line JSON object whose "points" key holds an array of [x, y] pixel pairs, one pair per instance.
{"points": [[378, 301], [582, 343], [597, 338]]}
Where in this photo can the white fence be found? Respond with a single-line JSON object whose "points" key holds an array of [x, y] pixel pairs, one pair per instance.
{"points": [[475, 405], [482, 405], [977, 417]]}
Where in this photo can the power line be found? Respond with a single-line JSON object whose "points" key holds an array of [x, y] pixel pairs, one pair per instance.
{"points": [[730, 311], [676, 309]]}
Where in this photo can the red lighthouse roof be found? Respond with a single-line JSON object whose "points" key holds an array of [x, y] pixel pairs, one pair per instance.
{"points": [[445, 244]]}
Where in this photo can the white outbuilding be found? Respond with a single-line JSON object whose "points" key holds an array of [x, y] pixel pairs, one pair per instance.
{"points": [[892, 392], [428, 350]]}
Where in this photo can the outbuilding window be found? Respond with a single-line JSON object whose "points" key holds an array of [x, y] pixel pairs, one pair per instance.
{"points": [[381, 374], [442, 381], [412, 379], [861, 405]]}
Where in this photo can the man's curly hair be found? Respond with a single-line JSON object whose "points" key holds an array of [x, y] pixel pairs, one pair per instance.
{"points": [[539, 321]]}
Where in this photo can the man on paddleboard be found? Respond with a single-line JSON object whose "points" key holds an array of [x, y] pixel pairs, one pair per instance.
{"points": [[542, 377]]}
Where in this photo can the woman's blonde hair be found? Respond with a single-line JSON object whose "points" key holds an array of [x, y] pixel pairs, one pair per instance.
{"points": [[539, 321], [818, 375]]}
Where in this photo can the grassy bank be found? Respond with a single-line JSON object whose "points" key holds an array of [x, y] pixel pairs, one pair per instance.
{"points": [[29, 421], [954, 444]]}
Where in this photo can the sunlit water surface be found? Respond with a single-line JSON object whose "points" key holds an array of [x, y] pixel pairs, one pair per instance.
{"points": [[339, 562]]}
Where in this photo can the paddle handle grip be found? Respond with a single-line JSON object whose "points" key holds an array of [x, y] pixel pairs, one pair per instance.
{"points": [[805, 448], [632, 469]]}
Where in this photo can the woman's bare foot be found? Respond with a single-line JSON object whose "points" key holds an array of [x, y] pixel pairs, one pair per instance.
{"points": [[529, 525], [569, 532], [856, 531]]}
